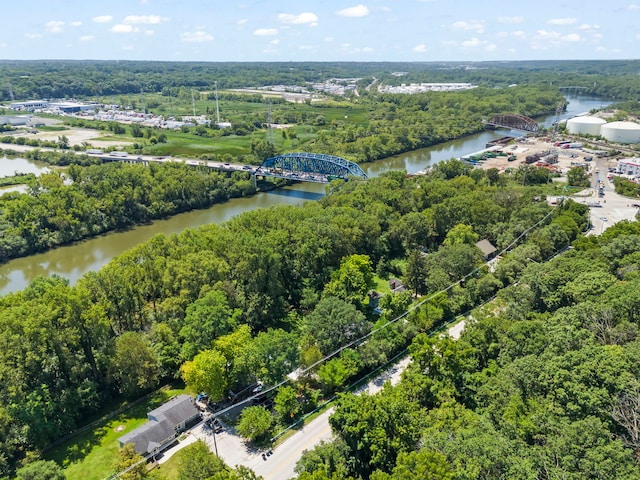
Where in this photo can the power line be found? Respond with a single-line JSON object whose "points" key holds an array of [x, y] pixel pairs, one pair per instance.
{"points": [[366, 336]]}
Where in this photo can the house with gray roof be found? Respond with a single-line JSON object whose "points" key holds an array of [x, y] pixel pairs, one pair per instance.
{"points": [[165, 422], [487, 249]]}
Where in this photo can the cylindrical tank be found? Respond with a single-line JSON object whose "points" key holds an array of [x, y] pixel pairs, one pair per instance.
{"points": [[621, 132], [585, 125]]}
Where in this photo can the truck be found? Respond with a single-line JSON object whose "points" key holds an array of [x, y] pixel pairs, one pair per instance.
{"points": [[118, 154]]}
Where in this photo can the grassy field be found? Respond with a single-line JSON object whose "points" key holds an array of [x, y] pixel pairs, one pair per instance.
{"points": [[91, 455]]}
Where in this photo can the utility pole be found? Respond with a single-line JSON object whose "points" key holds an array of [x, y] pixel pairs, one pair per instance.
{"points": [[269, 121], [217, 107], [144, 108]]}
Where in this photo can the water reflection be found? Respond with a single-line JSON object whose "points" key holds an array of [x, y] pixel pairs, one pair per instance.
{"points": [[75, 260], [13, 166]]}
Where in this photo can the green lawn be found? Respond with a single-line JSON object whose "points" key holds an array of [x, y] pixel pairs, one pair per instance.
{"points": [[91, 455], [168, 470]]}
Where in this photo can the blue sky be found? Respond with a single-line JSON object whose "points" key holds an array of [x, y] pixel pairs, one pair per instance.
{"points": [[328, 30]]}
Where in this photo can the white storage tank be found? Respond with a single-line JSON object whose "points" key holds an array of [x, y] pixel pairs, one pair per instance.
{"points": [[585, 125], [621, 132]]}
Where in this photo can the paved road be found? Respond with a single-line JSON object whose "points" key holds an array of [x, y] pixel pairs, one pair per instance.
{"points": [[280, 465], [608, 209], [614, 208]]}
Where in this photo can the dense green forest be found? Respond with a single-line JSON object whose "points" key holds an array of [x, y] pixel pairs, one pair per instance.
{"points": [[543, 383], [60, 208], [57, 79], [184, 304]]}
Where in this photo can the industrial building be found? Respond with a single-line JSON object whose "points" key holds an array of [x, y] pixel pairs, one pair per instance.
{"points": [[72, 107], [585, 125], [15, 120], [621, 132], [629, 166], [29, 105]]}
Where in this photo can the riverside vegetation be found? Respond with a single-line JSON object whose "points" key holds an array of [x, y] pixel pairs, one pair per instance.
{"points": [[540, 385]]}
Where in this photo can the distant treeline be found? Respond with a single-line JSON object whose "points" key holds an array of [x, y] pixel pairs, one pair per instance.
{"points": [[59, 79]]}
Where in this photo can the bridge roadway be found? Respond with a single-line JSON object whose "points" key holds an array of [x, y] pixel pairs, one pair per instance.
{"points": [[223, 166], [147, 159]]}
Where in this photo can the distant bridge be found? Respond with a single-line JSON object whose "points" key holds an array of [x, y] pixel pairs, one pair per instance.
{"points": [[309, 167], [513, 121], [301, 166]]}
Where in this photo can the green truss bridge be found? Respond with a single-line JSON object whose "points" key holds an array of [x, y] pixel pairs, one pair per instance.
{"points": [[309, 167]]}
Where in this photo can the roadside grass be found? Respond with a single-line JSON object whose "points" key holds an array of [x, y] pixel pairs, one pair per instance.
{"points": [[52, 128], [91, 454]]}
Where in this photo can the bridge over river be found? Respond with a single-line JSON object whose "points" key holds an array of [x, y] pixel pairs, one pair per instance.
{"points": [[300, 166]]}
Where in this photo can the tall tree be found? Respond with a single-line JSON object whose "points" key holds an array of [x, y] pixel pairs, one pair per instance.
{"points": [[197, 462], [135, 364]]}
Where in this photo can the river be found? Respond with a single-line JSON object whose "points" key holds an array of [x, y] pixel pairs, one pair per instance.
{"points": [[73, 261]]}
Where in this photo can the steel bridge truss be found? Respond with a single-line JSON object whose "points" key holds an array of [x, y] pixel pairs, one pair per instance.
{"points": [[514, 121], [310, 167]]}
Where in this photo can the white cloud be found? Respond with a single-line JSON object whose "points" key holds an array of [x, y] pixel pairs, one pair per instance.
{"points": [[275, 41], [547, 35], [586, 26], [242, 21], [357, 11], [571, 37], [301, 19], [472, 43], [196, 37], [473, 25], [367, 49], [510, 20], [76, 24], [102, 19], [127, 47], [517, 34], [420, 48], [122, 28], [143, 19], [633, 7], [562, 21], [54, 26], [33, 36], [86, 38], [4, 45], [477, 43], [265, 32], [328, 39]]}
